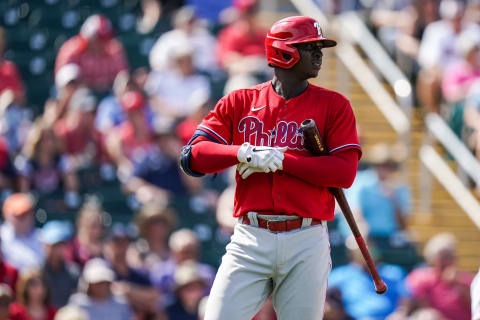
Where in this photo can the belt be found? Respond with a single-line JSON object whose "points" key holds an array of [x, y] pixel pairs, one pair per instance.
{"points": [[280, 226]]}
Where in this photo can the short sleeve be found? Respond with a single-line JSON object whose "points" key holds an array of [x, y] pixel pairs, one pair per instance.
{"points": [[218, 123], [341, 129]]}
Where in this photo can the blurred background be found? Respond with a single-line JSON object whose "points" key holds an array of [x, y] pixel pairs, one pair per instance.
{"points": [[97, 98]]}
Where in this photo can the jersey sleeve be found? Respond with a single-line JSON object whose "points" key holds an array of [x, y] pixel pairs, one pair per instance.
{"points": [[218, 124], [342, 131]]}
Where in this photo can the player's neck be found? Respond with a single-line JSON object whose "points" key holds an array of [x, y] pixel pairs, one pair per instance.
{"points": [[288, 87]]}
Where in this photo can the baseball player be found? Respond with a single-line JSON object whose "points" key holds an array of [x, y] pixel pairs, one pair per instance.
{"points": [[280, 244]]}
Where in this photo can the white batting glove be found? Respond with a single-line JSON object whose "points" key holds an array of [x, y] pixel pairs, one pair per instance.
{"points": [[259, 159]]}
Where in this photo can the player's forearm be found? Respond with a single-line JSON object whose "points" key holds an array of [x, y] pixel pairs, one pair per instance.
{"points": [[211, 157], [336, 170]]}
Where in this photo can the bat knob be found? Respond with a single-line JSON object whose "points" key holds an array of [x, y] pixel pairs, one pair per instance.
{"points": [[382, 289]]}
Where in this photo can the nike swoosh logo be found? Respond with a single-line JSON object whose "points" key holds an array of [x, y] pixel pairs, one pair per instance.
{"points": [[258, 108]]}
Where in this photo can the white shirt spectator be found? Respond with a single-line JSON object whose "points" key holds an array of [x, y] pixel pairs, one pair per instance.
{"points": [[475, 294], [22, 252], [438, 45], [200, 39], [176, 92]]}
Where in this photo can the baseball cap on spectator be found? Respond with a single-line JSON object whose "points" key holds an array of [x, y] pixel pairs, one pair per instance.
{"points": [[82, 100], [54, 232], [120, 231], [66, 74], [245, 5], [97, 26], [451, 9], [183, 16], [187, 273], [131, 100], [97, 270], [153, 212], [71, 312], [384, 154], [17, 204]]}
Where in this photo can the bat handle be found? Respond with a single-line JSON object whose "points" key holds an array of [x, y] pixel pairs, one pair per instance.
{"points": [[380, 286]]}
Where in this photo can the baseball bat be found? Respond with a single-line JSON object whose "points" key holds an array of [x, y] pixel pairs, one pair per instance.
{"points": [[313, 143]]}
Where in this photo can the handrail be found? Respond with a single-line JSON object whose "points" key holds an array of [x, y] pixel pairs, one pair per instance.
{"points": [[355, 29], [437, 166], [442, 132]]}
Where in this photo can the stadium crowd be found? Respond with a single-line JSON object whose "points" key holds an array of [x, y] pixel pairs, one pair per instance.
{"points": [[98, 220]]}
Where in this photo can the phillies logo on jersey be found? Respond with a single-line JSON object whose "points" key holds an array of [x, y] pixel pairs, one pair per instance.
{"points": [[284, 134]]}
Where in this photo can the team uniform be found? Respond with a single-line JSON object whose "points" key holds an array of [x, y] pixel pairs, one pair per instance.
{"points": [[280, 244]]}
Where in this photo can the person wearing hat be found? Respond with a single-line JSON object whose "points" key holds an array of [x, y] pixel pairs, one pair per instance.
{"points": [[190, 288], [96, 297], [20, 240], [98, 54], [134, 284], [60, 275]]}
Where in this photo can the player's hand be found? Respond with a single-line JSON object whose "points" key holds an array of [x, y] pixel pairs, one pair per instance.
{"points": [[259, 159]]}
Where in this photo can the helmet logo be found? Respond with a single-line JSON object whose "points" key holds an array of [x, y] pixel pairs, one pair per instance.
{"points": [[319, 30]]}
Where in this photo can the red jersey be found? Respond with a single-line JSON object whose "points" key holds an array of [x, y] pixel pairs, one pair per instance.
{"points": [[260, 116], [10, 79]]}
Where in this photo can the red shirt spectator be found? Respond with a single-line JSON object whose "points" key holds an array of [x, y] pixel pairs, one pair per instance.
{"points": [[99, 56], [9, 75], [8, 275], [19, 312]]}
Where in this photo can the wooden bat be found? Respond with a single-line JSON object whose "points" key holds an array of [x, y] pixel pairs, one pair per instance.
{"points": [[314, 144]]}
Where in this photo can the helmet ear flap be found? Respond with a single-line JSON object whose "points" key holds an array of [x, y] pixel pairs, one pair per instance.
{"points": [[282, 55]]}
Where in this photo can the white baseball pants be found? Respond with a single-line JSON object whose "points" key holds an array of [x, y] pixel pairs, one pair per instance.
{"points": [[292, 266]]}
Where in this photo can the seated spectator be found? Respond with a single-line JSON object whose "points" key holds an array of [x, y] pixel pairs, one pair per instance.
{"points": [[190, 288], [382, 201], [88, 241], [130, 141], [156, 174], [471, 120], [98, 54], [39, 165], [334, 308], [71, 313], [83, 145], [60, 276], [186, 29], [355, 283], [96, 296], [440, 285], [173, 93], [241, 45], [33, 301], [10, 78], [437, 51], [184, 245], [6, 299], [110, 112], [18, 233], [132, 283], [155, 223], [475, 295]]}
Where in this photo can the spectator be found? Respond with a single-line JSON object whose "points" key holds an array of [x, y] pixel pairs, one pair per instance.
{"points": [[186, 29], [6, 298], [382, 201], [7, 171], [96, 296], [33, 301], [10, 78], [88, 240], [130, 141], [71, 313], [83, 145], [8, 275], [39, 165], [471, 120], [60, 276], [475, 295], [110, 112], [241, 45], [98, 54], [184, 245], [432, 285], [155, 223], [334, 308], [174, 93], [132, 283], [437, 50], [190, 287], [18, 233], [355, 283]]}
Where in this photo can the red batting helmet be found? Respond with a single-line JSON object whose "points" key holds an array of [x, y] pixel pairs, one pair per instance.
{"points": [[288, 31]]}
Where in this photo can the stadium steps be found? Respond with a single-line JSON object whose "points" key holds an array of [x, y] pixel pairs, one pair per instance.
{"points": [[445, 215]]}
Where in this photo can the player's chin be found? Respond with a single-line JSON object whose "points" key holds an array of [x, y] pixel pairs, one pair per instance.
{"points": [[314, 72]]}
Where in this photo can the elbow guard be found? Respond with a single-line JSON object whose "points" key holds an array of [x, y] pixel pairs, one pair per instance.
{"points": [[185, 162]]}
